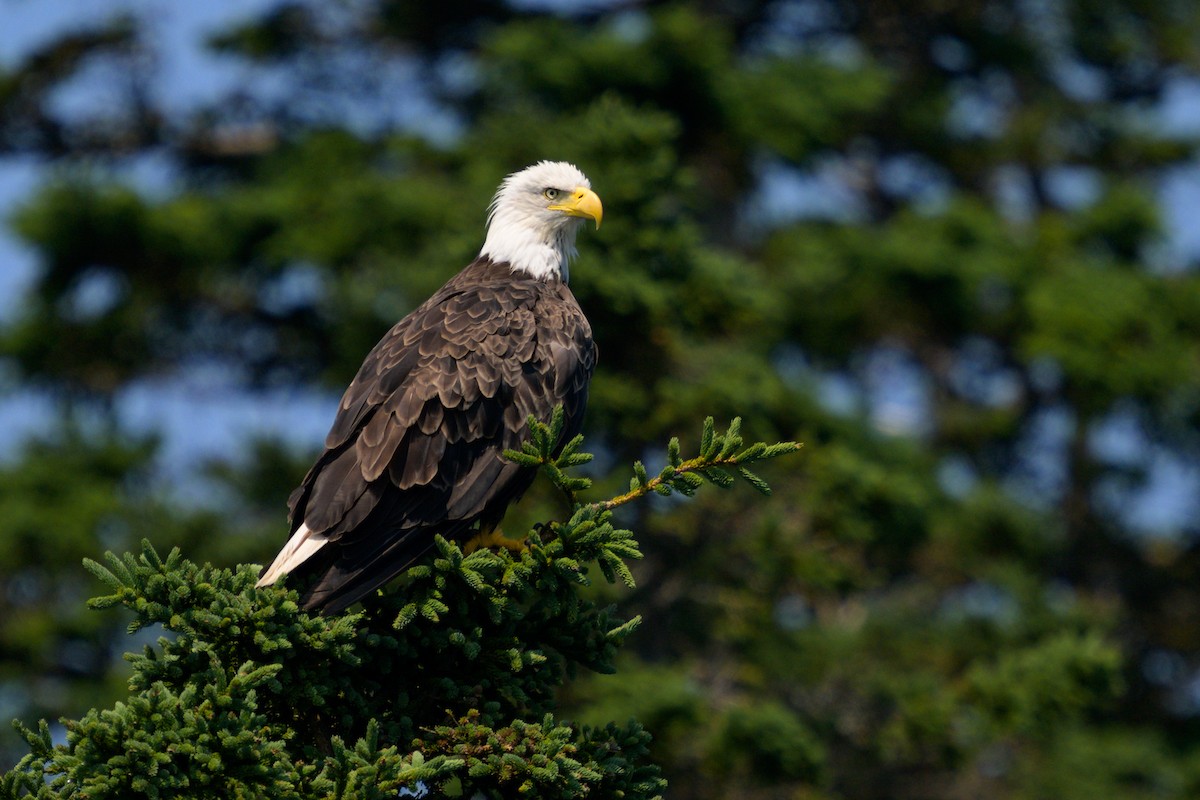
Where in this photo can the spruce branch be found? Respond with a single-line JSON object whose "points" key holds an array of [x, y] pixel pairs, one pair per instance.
{"points": [[544, 450], [718, 451]]}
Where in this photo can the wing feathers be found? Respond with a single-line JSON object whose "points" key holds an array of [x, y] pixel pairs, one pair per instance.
{"points": [[431, 418], [422, 461], [375, 453]]}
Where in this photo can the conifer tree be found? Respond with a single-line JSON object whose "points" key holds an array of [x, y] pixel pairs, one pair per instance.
{"points": [[446, 683]]}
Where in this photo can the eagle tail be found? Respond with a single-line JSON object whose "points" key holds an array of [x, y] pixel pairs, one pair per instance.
{"points": [[344, 582], [302, 546]]}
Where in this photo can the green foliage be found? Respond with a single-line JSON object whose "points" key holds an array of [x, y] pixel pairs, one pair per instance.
{"points": [[767, 744], [1060, 677], [1114, 331]]}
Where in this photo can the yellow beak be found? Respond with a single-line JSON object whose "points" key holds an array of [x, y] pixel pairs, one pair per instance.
{"points": [[582, 203]]}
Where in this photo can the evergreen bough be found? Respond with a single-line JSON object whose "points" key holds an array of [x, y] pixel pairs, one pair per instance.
{"points": [[445, 684]]}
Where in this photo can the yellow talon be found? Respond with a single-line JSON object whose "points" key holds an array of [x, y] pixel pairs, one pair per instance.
{"points": [[492, 537]]}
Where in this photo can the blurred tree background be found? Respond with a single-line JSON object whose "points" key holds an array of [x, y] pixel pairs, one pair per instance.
{"points": [[937, 242]]}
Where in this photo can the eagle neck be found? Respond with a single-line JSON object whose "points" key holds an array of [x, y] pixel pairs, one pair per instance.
{"points": [[537, 252]]}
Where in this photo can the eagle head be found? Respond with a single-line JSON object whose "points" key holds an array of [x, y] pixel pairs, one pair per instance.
{"points": [[534, 218]]}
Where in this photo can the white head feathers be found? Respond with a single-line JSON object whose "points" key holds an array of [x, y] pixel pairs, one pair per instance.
{"points": [[535, 215]]}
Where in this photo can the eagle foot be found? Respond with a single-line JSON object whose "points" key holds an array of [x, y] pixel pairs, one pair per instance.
{"points": [[493, 537], [548, 531]]}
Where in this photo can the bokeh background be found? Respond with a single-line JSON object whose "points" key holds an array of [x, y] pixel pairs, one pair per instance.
{"points": [[951, 246]]}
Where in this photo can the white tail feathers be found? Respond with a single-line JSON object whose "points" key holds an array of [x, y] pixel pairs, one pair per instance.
{"points": [[297, 550]]}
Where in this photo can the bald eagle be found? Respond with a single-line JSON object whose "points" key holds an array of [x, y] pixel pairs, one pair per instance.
{"points": [[416, 447]]}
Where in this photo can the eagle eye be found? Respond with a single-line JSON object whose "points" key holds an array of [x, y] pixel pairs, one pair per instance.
{"points": [[551, 194]]}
